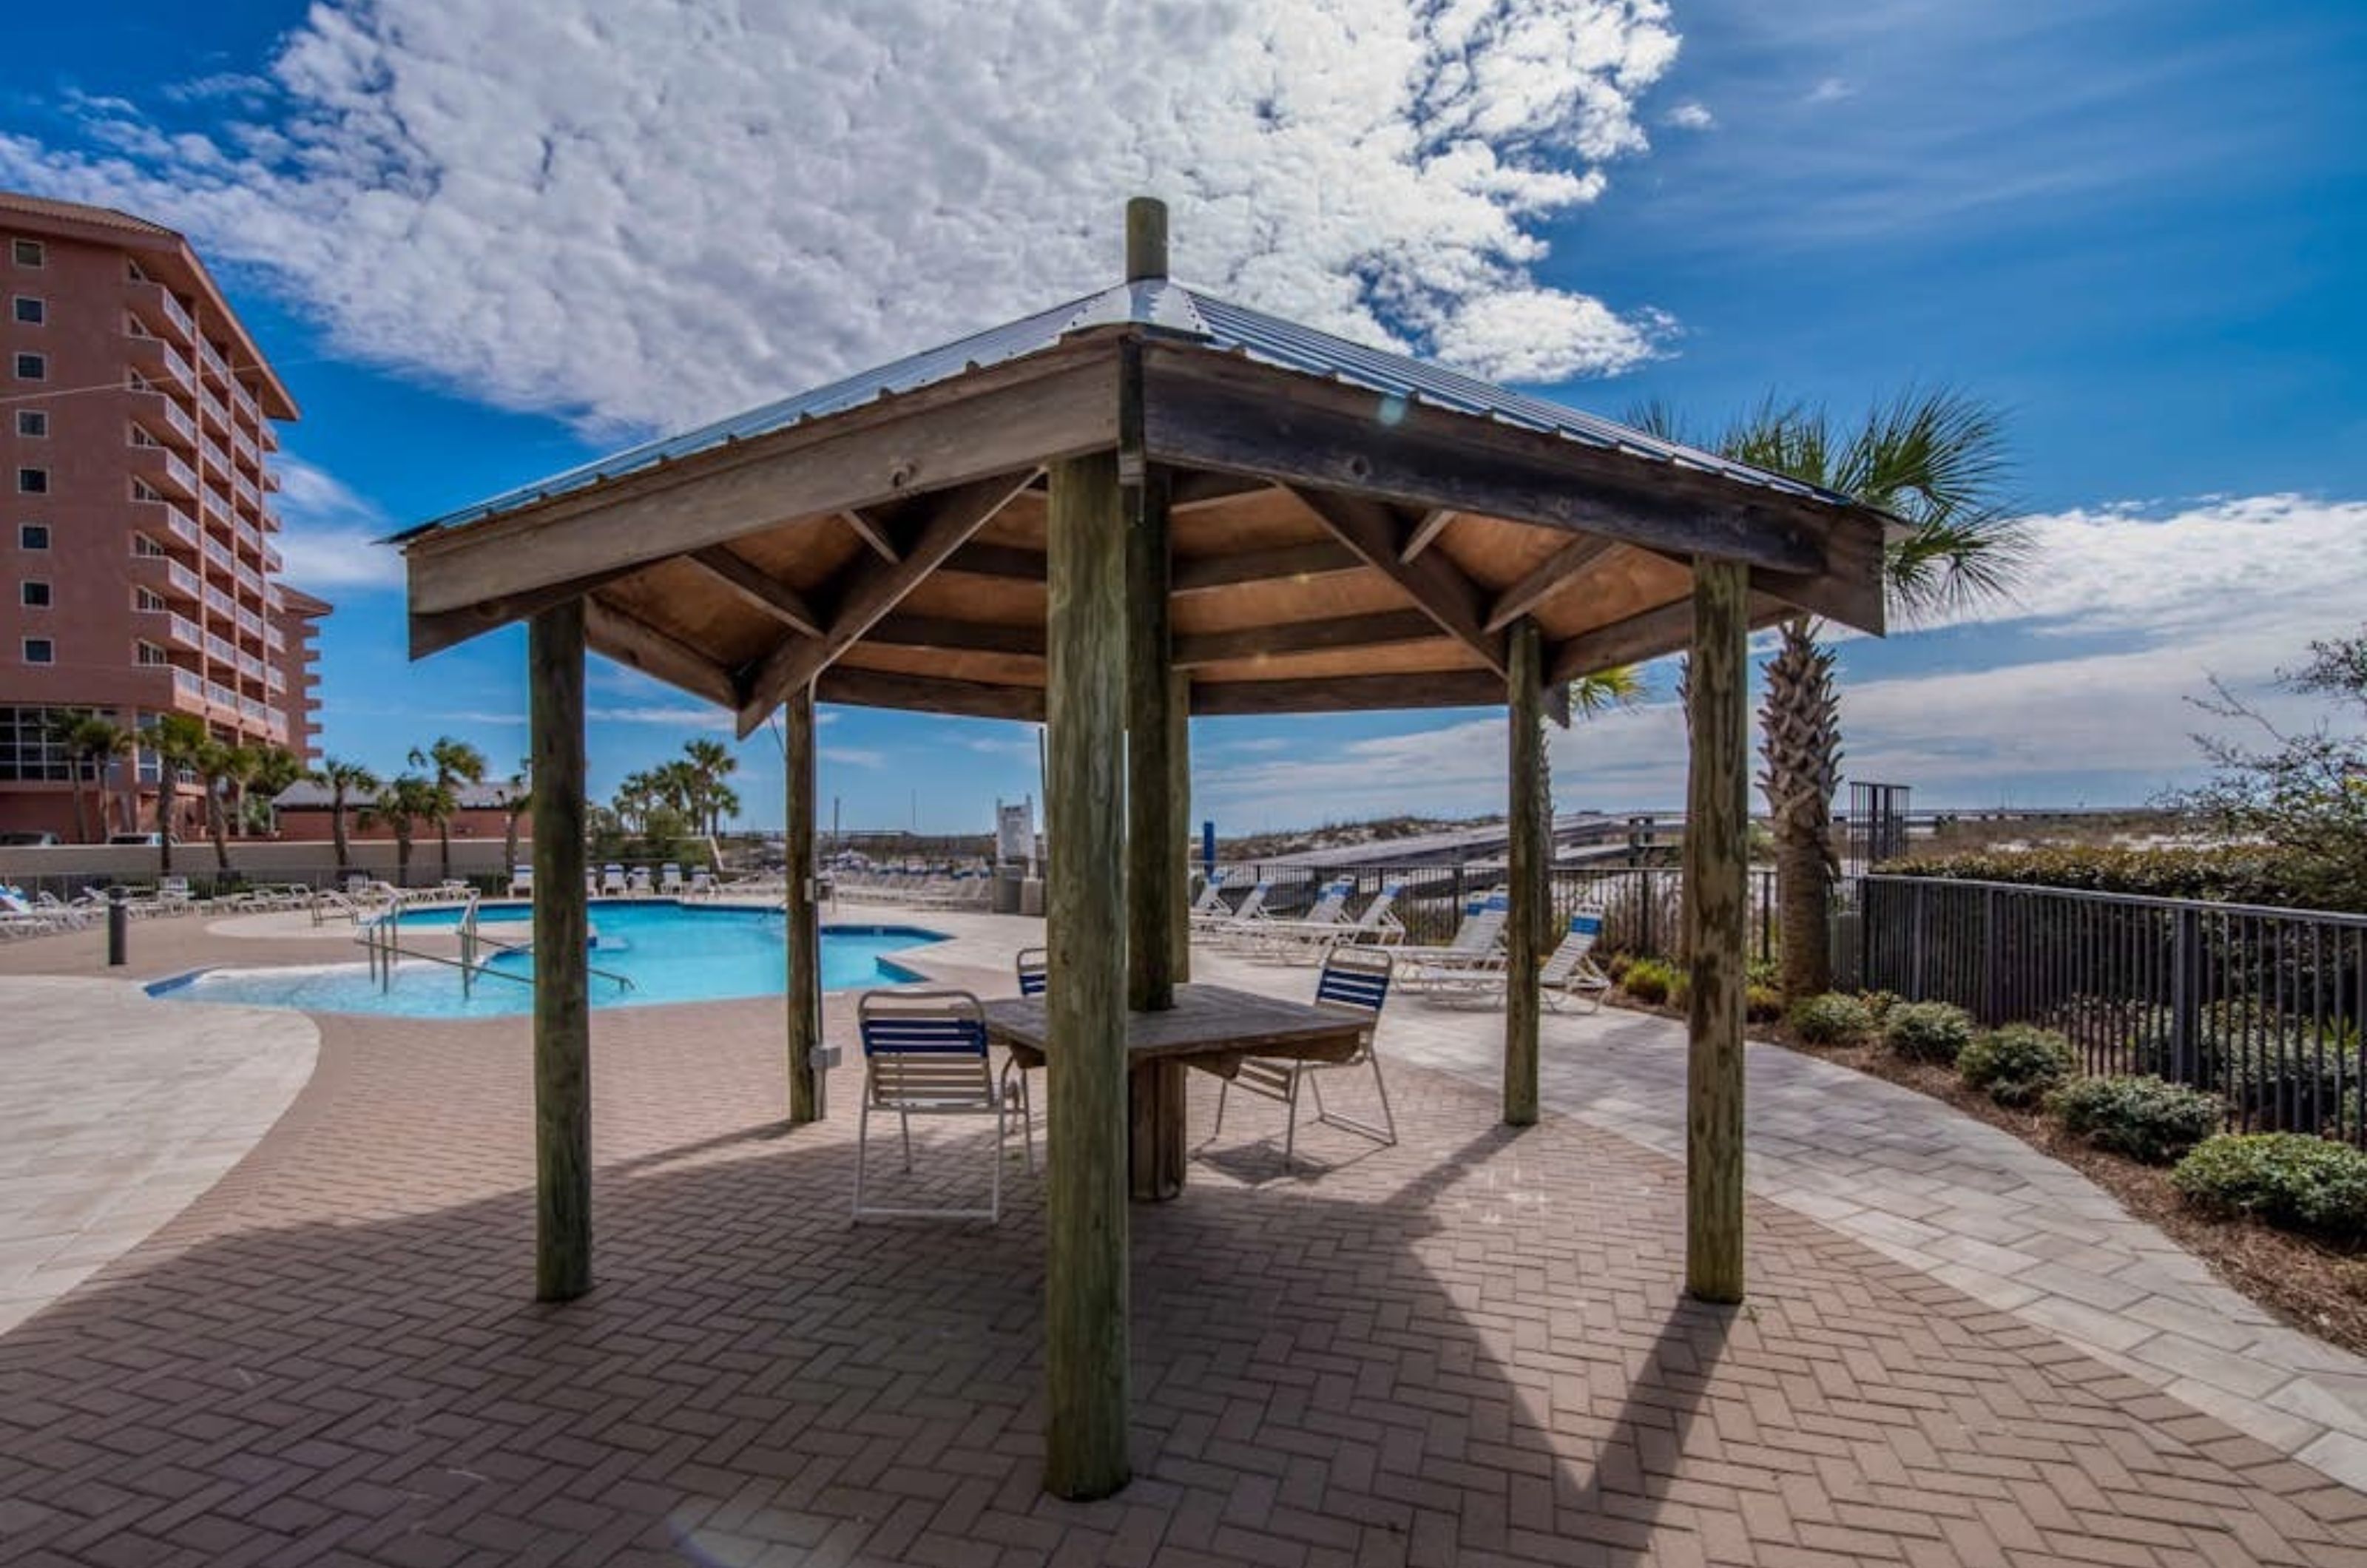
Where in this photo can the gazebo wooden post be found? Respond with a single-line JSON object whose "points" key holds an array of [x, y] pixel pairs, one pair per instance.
{"points": [[1527, 835], [1179, 831], [1153, 866], [1718, 833], [804, 916], [1086, 1179], [562, 1008]]}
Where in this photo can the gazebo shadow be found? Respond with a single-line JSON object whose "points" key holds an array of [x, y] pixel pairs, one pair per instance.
{"points": [[750, 1372]]}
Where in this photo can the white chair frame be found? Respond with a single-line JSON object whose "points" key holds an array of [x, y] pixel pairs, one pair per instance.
{"points": [[925, 1053], [1349, 975]]}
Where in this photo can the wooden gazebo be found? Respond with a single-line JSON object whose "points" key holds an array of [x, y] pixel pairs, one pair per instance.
{"points": [[1136, 506]]}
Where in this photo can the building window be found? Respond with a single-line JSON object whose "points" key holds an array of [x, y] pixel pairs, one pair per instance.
{"points": [[137, 382], [139, 438], [29, 747], [32, 482], [30, 253], [32, 423], [33, 367], [33, 536], [148, 653], [131, 270], [142, 490], [40, 651], [34, 593], [146, 599], [32, 310], [142, 544]]}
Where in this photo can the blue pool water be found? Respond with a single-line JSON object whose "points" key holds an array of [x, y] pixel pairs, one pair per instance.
{"points": [[670, 952]]}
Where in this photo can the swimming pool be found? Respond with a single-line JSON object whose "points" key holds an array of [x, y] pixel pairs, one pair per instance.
{"points": [[670, 952]]}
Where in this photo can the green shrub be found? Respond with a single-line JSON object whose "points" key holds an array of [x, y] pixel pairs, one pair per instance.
{"points": [[1878, 1004], [1833, 1018], [1617, 965], [2290, 1179], [2143, 1118], [1928, 1032], [1761, 1004], [1653, 980], [2246, 873], [2016, 1064]]}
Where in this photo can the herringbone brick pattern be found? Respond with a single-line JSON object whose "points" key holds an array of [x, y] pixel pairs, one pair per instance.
{"points": [[1468, 1349]]}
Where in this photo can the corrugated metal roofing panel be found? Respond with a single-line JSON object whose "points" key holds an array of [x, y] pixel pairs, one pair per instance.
{"points": [[1231, 328]]}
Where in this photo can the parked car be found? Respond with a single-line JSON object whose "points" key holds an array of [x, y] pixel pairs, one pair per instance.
{"points": [[138, 840], [24, 840]]}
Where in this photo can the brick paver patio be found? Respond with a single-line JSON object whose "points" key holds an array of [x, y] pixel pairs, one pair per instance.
{"points": [[1468, 1349]]}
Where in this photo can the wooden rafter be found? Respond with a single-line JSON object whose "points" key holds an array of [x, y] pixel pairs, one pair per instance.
{"points": [[631, 640], [871, 531], [1433, 523], [1335, 694], [949, 635], [952, 517], [1438, 588], [1015, 563], [1322, 558], [928, 693], [1643, 636], [1192, 491], [1545, 578], [748, 580], [1382, 627]]}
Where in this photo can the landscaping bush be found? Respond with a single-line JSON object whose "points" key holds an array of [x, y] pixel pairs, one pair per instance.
{"points": [[2143, 1118], [1878, 1004], [1656, 981], [2290, 1179], [1761, 1004], [1616, 966], [1833, 1018], [1928, 1032], [2248, 874], [2017, 1064]]}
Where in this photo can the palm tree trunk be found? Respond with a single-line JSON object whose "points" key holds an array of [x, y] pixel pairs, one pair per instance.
{"points": [[401, 857], [81, 808], [444, 846], [509, 842], [167, 789], [338, 830], [1802, 749], [218, 824]]}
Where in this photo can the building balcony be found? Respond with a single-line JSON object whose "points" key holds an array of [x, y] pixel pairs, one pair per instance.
{"points": [[248, 579], [242, 447], [245, 489], [161, 363], [165, 472], [250, 624], [217, 367], [171, 630], [217, 458], [271, 480], [274, 638], [166, 523], [162, 418], [275, 682], [166, 577], [220, 649], [214, 506], [219, 553], [221, 603], [272, 560], [161, 313]]}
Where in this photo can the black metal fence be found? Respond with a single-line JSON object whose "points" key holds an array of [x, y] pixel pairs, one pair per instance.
{"points": [[1643, 908], [2262, 1006]]}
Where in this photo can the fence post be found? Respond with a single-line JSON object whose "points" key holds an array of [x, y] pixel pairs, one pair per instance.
{"points": [[2185, 994], [1647, 895], [1915, 925], [1992, 928]]}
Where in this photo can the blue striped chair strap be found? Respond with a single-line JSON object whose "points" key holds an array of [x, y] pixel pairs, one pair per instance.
{"points": [[1365, 988], [923, 1036]]}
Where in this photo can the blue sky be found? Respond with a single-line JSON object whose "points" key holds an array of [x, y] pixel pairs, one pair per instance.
{"points": [[483, 245]]}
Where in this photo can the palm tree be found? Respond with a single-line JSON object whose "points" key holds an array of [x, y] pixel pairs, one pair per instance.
{"points": [[342, 780], [404, 803], [1937, 460], [517, 799], [218, 764], [713, 763], [179, 739], [89, 742], [456, 762], [276, 767]]}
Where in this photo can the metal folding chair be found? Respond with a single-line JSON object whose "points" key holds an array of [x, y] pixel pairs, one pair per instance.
{"points": [[1355, 980], [924, 1055]]}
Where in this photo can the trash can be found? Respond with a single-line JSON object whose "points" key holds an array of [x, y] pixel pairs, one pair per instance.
{"points": [[1005, 900], [1031, 897]]}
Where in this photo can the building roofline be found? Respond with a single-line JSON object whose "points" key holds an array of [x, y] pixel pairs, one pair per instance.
{"points": [[109, 226]]}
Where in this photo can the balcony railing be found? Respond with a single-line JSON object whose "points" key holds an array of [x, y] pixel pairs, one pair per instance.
{"points": [[219, 553], [217, 458], [220, 648], [164, 470], [272, 560], [270, 439], [274, 638], [248, 579], [162, 517], [245, 489], [215, 504], [251, 624], [249, 455], [215, 412], [163, 575], [274, 681], [214, 363], [160, 360], [188, 680], [161, 311], [164, 419], [177, 628], [219, 603]]}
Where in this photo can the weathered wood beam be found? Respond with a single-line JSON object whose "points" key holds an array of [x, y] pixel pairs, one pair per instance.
{"points": [[1179, 826], [1433, 523], [943, 632], [1012, 562], [871, 531], [1212, 411], [1717, 915], [1191, 492], [562, 1005], [1321, 557], [1007, 419], [630, 641], [1153, 866], [1085, 1279], [928, 693], [954, 515], [1382, 627], [1546, 578], [1442, 689], [748, 580], [1529, 853], [803, 947], [1438, 588], [449, 628], [1647, 635]]}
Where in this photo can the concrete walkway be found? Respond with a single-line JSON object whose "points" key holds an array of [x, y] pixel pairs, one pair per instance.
{"points": [[1934, 1189], [118, 1111]]}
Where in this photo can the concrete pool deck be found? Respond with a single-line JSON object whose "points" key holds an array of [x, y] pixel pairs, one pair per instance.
{"points": [[1465, 1348]]}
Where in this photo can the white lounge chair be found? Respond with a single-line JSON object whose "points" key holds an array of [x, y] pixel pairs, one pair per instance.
{"points": [[1241, 925], [670, 880], [640, 882], [1355, 980], [612, 881], [1477, 946], [1567, 977], [702, 882], [521, 882], [924, 1055], [1323, 918], [1376, 925]]}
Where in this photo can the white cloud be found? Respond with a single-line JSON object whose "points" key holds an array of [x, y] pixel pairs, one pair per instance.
{"points": [[680, 715], [329, 533], [1690, 115], [853, 756], [642, 212], [1831, 90]]}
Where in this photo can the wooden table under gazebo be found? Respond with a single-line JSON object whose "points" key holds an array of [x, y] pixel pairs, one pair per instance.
{"points": [[1132, 508]]}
